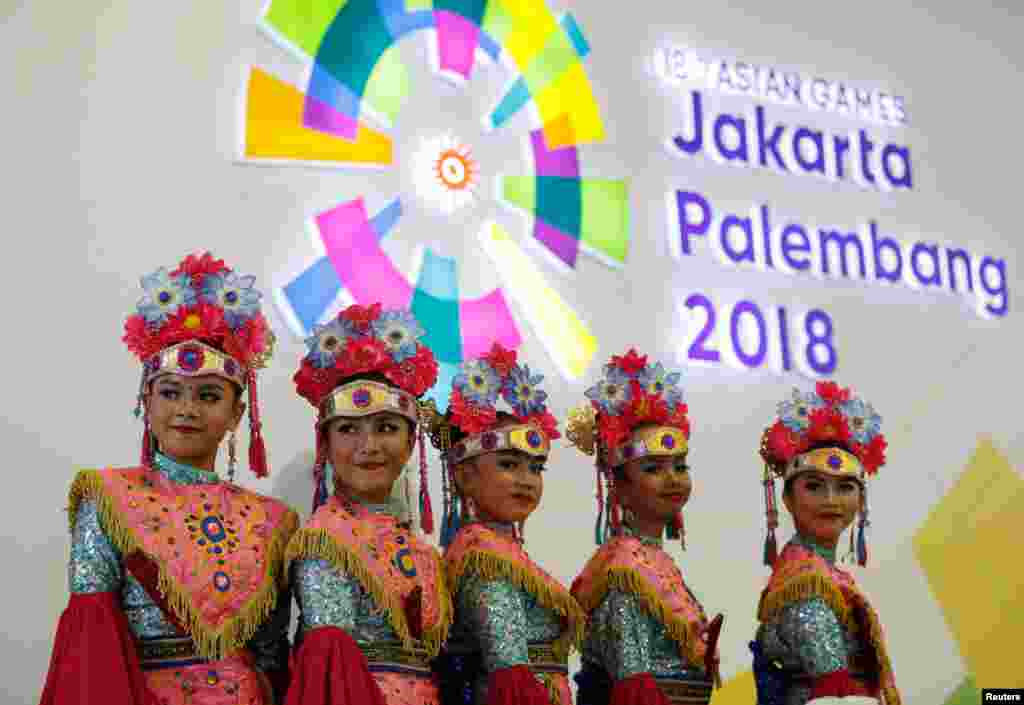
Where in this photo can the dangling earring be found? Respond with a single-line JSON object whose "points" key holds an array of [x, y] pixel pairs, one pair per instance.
{"points": [[628, 517], [468, 510], [521, 531], [147, 442], [232, 456]]}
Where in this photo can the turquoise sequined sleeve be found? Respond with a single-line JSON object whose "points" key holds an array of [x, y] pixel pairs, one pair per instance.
{"points": [[95, 565], [326, 597], [817, 639], [620, 636], [494, 612]]}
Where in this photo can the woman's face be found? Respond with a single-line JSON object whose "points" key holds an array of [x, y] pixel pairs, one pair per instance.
{"points": [[505, 486], [189, 416], [654, 488], [368, 453], [822, 506]]}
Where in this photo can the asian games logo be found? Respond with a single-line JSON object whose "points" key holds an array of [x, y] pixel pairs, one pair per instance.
{"points": [[388, 86]]}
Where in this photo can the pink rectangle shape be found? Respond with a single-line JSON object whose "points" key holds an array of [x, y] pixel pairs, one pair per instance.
{"points": [[318, 115], [553, 162], [486, 321], [457, 39], [364, 269]]}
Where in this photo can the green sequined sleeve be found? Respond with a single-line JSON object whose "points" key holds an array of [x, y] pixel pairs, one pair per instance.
{"points": [[621, 636], [494, 612], [326, 596], [95, 565], [815, 636]]}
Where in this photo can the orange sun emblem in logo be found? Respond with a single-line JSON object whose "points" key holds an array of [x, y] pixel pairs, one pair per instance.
{"points": [[455, 168], [447, 175]]}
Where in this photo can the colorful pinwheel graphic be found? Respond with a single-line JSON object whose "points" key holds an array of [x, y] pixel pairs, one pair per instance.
{"points": [[346, 116]]}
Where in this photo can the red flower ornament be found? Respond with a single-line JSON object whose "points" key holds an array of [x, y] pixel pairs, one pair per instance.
{"points": [[362, 316], [872, 456], [832, 393], [631, 363], [545, 421], [469, 417], [197, 267], [783, 444], [828, 424], [501, 359]]}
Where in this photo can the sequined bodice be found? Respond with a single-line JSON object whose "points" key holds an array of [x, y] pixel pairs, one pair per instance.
{"points": [[499, 620], [625, 639], [808, 640], [96, 566], [330, 596]]}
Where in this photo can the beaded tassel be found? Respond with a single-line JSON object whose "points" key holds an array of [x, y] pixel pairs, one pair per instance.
{"points": [[862, 543], [450, 519], [676, 529], [319, 473], [232, 457], [598, 533], [446, 498], [426, 511], [772, 518], [407, 493], [147, 443], [614, 511], [140, 397], [257, 451]]}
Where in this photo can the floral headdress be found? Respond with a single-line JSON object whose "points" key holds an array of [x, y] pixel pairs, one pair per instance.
{"points": [[829, 431], [472, 409], [362, 341], [631, 394], [201, 318]]}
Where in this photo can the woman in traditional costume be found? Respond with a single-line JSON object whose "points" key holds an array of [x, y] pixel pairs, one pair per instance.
{"points": [[514, 623], [648, 641], [819, 637], [374, 606], [177, 588]]}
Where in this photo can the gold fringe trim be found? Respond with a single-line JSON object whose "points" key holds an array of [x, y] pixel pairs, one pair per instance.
{"points": [[891, 696], [685, 634], [805, 587], [494, 566], [320, 544], [236, 631], [550, 681]]}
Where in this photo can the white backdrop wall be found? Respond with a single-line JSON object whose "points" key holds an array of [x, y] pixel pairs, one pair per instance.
{"points": [[119, 144]]}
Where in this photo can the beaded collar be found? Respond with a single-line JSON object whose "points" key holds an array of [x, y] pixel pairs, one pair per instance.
{"points": [[500, 527], [391, 508], [183, 474], [627, 530], [829, 554]]}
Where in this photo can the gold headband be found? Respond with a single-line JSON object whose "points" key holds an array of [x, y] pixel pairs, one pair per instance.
{"points": [[656, 440], [193, 359], [830, 461], [366, 397], [525, 438]]}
